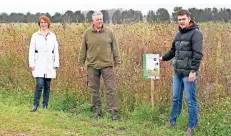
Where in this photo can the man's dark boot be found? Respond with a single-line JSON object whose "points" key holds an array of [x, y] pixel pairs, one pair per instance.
{"points": [[114, 115], [97, 113], [189, 132], [34, 108]]}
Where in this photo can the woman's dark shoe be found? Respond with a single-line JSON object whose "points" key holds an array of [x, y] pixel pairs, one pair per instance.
{"points": [[34, 108], [44, 106]]}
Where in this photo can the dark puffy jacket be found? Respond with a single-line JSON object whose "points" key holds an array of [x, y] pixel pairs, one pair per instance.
{"points": [[186, 50]]}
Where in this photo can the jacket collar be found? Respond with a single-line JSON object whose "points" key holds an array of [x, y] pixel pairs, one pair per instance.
{"points": [[39, 32], [97, 31]]}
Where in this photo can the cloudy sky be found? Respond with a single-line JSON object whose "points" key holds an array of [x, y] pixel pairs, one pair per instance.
{"points": [[52, 6]]}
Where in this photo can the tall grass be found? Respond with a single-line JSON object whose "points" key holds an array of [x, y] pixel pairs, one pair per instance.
{"points": [[133, 40]]}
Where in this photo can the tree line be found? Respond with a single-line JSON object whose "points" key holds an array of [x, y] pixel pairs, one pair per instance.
{"points": [[118, 16]]}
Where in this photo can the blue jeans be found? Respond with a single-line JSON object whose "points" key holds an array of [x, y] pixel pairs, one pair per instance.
{"points": [[42, 84], [179, 84]]}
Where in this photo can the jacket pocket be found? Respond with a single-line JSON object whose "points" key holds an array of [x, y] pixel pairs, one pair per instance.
{"points": [[36, 56], [50, 57], [174, 63], [189, 63]]}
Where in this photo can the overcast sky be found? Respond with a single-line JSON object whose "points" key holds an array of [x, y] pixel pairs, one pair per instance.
{"points": [[52, 6]]}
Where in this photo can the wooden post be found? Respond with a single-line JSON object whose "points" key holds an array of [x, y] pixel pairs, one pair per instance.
{"points": [[152, 91]]}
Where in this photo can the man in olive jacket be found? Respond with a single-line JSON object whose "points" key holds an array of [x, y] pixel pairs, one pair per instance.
{"points": [[100, 52], [186, 52]]}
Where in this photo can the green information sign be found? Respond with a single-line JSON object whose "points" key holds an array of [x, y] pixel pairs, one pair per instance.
{"points": [[151, 66]]}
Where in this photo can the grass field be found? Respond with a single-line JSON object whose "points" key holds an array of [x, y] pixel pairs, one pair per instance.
{"points": [[69, 111]]}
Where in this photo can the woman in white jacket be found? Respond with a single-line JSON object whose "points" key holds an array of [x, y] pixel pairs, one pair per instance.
{"points": [[43, 60]]}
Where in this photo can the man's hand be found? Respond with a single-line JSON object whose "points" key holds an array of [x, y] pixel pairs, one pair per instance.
{"points": [[32, 68], [161, 59], [82, 69], [192, 77], [117, 67]]}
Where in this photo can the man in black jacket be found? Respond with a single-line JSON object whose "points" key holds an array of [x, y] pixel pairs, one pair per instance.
{"points": [[186, 52]]}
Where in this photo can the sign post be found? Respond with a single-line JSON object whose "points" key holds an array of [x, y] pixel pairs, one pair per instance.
{"points": [[151, 70]]}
